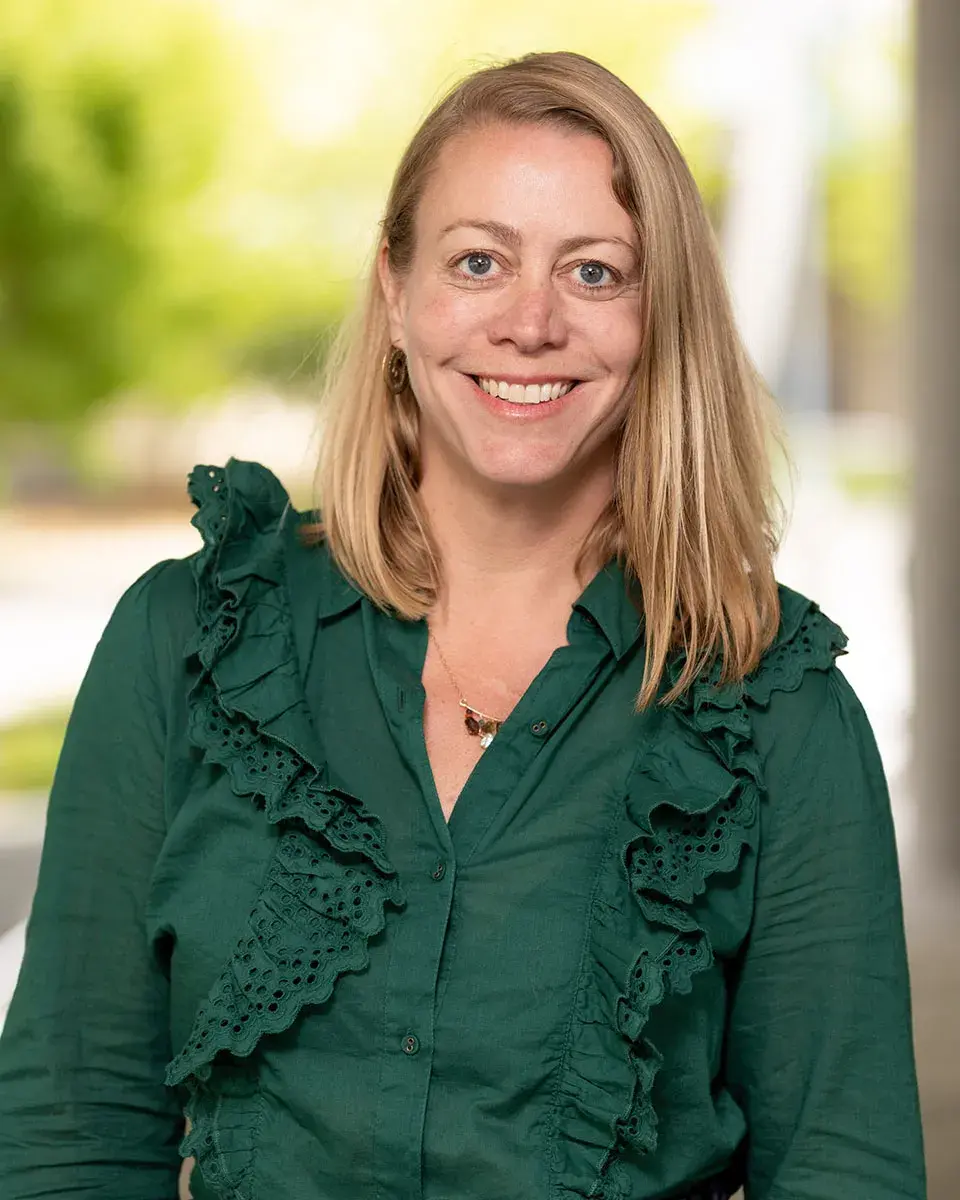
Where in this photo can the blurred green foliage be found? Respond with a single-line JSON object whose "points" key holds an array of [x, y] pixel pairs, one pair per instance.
{"points": [[29, 750], [119, 267], [867, 172], [99, 163]]}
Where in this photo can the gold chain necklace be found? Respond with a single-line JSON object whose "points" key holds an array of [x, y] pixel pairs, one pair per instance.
{"points": [[478, 724]]}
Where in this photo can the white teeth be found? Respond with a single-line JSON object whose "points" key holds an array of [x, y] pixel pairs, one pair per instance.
{"points": [[531, 393]]}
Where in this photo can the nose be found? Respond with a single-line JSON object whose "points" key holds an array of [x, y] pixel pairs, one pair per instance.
{"points": [[530, 317]]}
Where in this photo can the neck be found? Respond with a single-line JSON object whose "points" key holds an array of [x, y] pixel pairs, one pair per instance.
{"points": [[517, 547]]}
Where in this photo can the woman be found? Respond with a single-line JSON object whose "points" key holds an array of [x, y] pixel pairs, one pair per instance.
{"points": [[506, 833]]}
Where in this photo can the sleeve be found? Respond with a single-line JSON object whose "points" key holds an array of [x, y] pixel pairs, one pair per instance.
{"points": [[83, 1108], [819, 1045]]}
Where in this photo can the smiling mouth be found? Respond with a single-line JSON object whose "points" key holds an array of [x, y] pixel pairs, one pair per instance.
{"points": [[530, 393]]}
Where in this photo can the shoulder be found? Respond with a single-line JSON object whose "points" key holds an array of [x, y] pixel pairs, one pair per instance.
{"points": [[806, 646], [787, 681], [253, 543], [155, 616], [794, 669], [758, 723], [238, 499], [801, 704], [241, 508]]}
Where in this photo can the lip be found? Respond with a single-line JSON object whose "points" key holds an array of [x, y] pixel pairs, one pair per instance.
{"points": [[523, 412]]}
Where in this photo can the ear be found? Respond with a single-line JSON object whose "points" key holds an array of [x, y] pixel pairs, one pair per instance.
{"points": [[393, 295]]}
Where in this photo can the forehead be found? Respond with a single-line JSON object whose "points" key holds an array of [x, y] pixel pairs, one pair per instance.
{"points": [[536, 177]]}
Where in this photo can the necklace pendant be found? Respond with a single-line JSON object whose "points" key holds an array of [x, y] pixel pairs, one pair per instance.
{"points": [[479, 725]]}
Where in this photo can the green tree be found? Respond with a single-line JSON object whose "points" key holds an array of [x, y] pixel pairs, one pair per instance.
{"points": [[120, 131]]}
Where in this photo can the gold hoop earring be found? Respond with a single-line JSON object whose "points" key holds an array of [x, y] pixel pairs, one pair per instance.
{"points": [[394, 370]]}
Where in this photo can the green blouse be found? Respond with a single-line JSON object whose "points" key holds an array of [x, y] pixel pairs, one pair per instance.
{"points": [[646, 949]]}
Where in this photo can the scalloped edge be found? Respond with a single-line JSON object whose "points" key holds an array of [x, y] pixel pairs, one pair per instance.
{"points": [[721, 717], [221, 508]]}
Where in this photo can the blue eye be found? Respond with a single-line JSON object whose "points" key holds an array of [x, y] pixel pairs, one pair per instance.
{"points": [[591, 273], [478, 264]]}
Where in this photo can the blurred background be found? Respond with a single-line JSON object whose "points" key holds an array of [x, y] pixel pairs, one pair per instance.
{"points": [[187, 199]]}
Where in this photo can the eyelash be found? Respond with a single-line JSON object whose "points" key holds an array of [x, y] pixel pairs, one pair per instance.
{"points": [[617, 278]]}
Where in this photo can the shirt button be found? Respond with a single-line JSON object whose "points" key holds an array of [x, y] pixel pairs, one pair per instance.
{"points": [[538, 728], [410, 1044], [439, 871]]}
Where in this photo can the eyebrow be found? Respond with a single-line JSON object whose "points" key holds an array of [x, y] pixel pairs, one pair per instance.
{"points": [[512, 237]]}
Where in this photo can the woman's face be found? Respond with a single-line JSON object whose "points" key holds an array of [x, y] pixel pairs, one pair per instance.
{"points": [[520, 316]]}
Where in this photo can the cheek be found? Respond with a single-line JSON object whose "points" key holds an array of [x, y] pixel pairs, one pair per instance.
{"points": [[617, 337], [439, 319]]}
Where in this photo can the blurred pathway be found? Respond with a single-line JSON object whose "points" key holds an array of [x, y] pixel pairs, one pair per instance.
{"points": [[59, 580]]}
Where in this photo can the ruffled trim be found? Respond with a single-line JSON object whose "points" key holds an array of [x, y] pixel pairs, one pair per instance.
{"points": [[695, 815], [324, 893]]}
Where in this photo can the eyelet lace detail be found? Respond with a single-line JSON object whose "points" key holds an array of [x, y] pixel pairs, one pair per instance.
{"points": [[324, 893], [689, 833]]}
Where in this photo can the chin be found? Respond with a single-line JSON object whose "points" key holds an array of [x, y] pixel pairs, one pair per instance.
{"points": [[521, 472]]}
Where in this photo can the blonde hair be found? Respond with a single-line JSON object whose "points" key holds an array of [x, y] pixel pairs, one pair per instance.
{"points": [[694, 517]]}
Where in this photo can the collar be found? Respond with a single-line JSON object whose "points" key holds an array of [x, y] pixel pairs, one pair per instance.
{"points": [[613, 605], [335, 593], [317, 589], [324, 592], [319, 586]]}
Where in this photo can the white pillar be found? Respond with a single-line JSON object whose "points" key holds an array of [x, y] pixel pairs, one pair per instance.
{"points": [[936, 366]]}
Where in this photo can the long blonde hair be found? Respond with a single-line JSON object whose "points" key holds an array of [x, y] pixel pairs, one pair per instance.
{"points": [[694, 519]]}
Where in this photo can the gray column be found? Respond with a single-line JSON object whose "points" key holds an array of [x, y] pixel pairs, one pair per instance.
{"points": [[936, 370]]}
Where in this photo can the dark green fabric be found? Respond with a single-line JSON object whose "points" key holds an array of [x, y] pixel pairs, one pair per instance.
{"points": [[647, 947]]}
